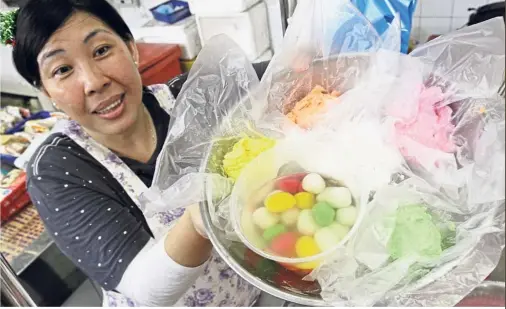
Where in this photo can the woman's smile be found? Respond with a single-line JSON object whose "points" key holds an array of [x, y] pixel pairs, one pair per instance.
{"points": [[112, 108]]}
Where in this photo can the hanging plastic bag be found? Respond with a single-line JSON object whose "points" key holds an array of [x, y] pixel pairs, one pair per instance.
{"points": [[337, 36], [437, 112]]}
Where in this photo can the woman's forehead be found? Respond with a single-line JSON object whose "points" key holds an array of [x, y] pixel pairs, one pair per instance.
{"points": [[76, 28], [73, 32]]}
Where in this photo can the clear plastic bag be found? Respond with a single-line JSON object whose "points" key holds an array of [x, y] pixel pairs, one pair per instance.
{"points": [[462, 73], [463, 184], [330, 44]]}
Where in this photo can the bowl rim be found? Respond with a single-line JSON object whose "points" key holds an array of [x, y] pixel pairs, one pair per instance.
{"points": [[236, 213]]}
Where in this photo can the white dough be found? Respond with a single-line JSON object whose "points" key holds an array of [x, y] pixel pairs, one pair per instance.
{"points": [[264, 219], [306, 224], [290, 216], [337, 197], [347, 216], [326, 238], [313, 183], [339, 230]]}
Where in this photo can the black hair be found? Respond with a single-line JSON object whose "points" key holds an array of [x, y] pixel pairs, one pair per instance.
{"points": [[37, 20]]}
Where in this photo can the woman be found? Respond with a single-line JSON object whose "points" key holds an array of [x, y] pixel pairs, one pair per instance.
{"points": [[86, 179]]}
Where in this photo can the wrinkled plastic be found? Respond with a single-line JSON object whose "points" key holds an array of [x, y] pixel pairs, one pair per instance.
{"points": [[206, 112], [464, 184], [366, 274], [380, 92], [330, 51]]}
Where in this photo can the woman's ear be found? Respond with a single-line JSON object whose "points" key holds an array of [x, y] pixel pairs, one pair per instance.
{"points": [[46, 94], [133, 50]]}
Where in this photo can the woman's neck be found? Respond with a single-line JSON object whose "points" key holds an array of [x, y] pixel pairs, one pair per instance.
{"points": [[138, 142]]}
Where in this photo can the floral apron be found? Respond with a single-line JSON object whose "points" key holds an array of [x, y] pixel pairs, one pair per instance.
{"points": [[219, 285]]}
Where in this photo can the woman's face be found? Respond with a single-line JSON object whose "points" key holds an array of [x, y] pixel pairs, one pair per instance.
{"points": [[90, 73]]}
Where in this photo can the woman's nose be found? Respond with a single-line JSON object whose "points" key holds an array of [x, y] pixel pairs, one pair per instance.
{"points": [[95, 81]]}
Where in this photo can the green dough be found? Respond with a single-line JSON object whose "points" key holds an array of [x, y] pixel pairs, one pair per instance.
{"points": [[323, 214], [274, 231], [414, 234]]}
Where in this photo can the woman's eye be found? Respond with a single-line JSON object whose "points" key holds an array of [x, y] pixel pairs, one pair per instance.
{"points": [[62, 70], [101, 51]]}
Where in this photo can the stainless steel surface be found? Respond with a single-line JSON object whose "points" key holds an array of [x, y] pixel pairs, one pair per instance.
{"points": [[499, 272], [487, 294], [501, 89], [235, 256], [14, 293], [267, 300], [492, 288]]}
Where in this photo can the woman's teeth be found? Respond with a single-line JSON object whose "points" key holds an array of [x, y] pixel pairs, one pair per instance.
{"points": [[109, 108]]}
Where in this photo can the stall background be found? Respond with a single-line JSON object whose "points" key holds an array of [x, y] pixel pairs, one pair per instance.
{"points": [[442, 16]]}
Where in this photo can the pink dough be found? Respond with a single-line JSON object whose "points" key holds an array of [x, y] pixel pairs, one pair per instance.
{"points": [[431, 126]]}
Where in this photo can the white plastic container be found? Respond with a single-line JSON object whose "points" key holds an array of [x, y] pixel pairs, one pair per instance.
{"points": [[219, 7], [257, 180], [250, 29], [184, 33]]}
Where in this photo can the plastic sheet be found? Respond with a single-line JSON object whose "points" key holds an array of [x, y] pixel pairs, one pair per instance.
{"points": [[206, 113], [366, 274], [375, 129]]}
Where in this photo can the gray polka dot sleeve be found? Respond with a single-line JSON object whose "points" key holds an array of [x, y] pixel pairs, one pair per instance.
{"points": [[85, 210]]}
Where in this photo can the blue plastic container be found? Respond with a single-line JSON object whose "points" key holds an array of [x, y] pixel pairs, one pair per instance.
{"points": [[171, 11]]}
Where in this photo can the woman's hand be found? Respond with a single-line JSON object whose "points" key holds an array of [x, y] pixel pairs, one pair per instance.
{"points": [[196, 218], [187, 243]]}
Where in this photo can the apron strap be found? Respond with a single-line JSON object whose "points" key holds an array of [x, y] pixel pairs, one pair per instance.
{"points": [[164, 97]]}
